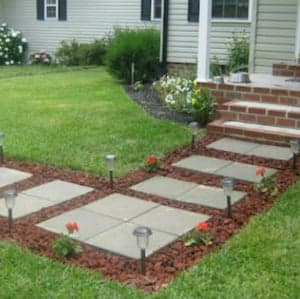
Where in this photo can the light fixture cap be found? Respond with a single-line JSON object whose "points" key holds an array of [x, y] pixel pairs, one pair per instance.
{"points": [[194, 127], [295, 146], [110, 159], [228, 184], [10, 198], [142, 234]]}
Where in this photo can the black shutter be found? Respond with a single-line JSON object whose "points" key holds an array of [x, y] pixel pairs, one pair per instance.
{"points": [[146, 10], [40, 9], [62, 10], [193, 10]]}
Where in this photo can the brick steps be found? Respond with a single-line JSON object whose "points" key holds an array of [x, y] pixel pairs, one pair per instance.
{"points": [[261, 113], [253, 131]]}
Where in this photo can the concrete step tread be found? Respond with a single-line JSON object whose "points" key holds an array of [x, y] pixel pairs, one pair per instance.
{"points": [[267, 106]]}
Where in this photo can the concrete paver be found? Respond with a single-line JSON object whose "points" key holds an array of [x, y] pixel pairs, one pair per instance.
{"points": [[10, 176], [58, 191]]}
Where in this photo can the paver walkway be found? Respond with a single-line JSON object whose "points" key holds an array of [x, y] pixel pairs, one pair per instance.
{"points": [[108, 223], [224, 168]]}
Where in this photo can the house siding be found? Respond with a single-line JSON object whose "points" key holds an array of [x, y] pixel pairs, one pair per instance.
{"points": [[1, 13], [275, 33], [86, 20], [183, 35]]}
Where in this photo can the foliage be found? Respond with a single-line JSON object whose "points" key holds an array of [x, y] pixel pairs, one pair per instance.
{"points": [[199, 235], [152, 163], [176, 92], [73, 53], [216, 68], [138, 46], [65, 246], [238, 48], [12, 46], [267, 184], [138, 85], [86, 114], [203, 104], [41, 57]]}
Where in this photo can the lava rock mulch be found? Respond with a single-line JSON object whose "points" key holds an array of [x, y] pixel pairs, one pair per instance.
{"points": [[165, 264]]}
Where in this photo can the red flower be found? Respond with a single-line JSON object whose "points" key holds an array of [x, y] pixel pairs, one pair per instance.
{"points": [[202, 226], [72, 226], [260, 171], [151, 160]]}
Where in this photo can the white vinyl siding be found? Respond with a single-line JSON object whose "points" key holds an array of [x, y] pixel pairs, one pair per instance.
{"points": [[183, 35], [86, 20], [1, 13], [275, 33]]}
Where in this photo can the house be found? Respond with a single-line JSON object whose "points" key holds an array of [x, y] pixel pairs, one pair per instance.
{"points": [[45, 23], [197, 30]]}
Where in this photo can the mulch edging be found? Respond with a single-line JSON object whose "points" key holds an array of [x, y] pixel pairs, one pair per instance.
{"points": [[167, 263]]}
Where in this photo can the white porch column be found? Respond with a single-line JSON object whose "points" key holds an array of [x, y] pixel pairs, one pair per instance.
{"points": [[204, 40], [298, 36]]}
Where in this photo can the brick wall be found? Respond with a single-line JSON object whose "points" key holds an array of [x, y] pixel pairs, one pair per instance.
{"points": [[286, 70]]}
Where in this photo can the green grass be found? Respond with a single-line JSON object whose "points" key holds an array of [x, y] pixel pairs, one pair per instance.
{"points": [[74, 117], [262, 261]]}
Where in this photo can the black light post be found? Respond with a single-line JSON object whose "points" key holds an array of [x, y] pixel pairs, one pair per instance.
{"points": [[142, 234], [110, 162], [228, 188], [10, 201]]}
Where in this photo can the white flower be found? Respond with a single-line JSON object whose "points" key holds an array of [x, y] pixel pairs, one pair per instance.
{"points": [[20, 48], [12, 62], [24, 40], [14, 34], [1, 54], [7, 40], [4, 25], [7, 62]]}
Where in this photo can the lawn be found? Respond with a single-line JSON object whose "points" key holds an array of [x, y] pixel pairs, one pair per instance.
{"points": [[262, 261], [74, 117]]}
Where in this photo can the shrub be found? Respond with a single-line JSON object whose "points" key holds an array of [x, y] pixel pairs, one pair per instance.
{"points": [[176, 92], [238, 52], [74, 53], [12, 46], [41, 57], [138, 46]]}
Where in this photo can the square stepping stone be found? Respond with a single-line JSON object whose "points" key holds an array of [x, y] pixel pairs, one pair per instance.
{"points": [[245, 172], [120, 240], [164, 186], [90, 223], [120, 206], [170, 220], [10, 176], [272, 152], [58, 191], [233, 145], [210, 196], [25, 205], [202, 164]]}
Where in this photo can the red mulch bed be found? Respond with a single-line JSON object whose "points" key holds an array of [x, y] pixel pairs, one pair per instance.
{"points": [[165, 264]]}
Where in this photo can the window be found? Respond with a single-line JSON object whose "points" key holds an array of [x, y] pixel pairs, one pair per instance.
{"points": [[156, 9], [231, 9], [51, 9], [221, 9], [151, 10]]}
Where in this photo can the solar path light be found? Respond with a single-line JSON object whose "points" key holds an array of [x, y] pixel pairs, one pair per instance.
{"points": [[228, 188], [194, 127], [10, 201], [142, 234], [110, 163], [295, 145]]}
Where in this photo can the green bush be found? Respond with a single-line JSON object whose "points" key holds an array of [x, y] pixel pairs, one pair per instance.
{"points": [[238, 52], [12, 46], [74, 53], [138, 46]]}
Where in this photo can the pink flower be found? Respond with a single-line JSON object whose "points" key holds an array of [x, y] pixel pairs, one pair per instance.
{"points": [[203, 226], [72, 226], [260, 171]]}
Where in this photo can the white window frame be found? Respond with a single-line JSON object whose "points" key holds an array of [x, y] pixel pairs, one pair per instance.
{"points": [[153, 11], [56, 9], [236, 20]]}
